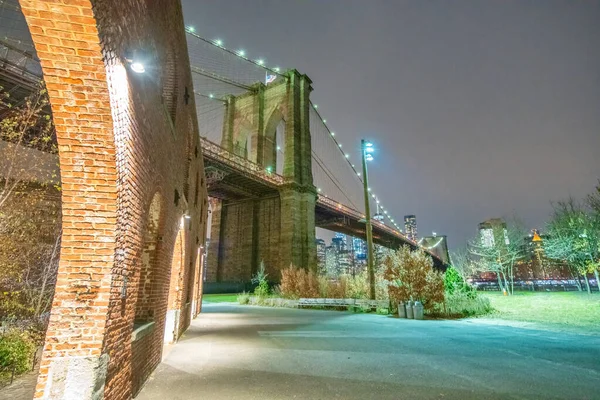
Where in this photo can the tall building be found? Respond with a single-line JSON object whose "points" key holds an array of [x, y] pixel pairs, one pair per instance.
{"points": [[410, 227], [359, 249], [340, 240], [493, 231]]}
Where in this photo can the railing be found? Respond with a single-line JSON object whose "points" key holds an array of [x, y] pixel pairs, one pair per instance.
{"points": [[20, 62], [223, 155], [332, 204]]}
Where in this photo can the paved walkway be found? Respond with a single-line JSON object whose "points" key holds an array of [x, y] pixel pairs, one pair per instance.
{"points": [[22, 388], [242, 352]]}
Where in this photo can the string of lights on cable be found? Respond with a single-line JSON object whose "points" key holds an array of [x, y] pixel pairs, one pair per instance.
{"points": [[261, 63]]}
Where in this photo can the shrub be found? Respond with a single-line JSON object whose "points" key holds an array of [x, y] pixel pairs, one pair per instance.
{"points": [[466, 304], [17, 349], [454, 282], [260, 278], [297, 282], [410, 276], [358, 286], [334, 288], [243, 298]]}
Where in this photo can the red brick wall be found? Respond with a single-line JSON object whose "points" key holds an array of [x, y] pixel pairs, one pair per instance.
{"points": [[123, 138]]}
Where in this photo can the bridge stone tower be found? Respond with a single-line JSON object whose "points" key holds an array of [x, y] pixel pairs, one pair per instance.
{"points": [[277, 228]]}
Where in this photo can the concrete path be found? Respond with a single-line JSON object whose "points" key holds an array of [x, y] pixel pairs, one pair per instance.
{"points": [[22, 388], [243, 352]]}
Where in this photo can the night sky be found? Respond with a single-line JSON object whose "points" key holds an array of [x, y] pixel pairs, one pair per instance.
{"points": [[478, 109]]}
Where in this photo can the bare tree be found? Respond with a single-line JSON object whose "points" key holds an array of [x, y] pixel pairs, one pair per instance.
{"points": [[461, 261], [594, 203], [25, 126], [501, 254], [30, 218]]}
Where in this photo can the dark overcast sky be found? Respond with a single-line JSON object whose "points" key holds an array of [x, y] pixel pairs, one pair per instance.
{"points": [[478, 108]]}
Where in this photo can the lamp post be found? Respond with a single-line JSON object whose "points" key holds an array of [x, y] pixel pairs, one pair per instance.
{"points": [[367, 150]]}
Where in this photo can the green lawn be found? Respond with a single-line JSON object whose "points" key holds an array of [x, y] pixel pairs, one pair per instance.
{"points": [[566, 311], [220, 298]]}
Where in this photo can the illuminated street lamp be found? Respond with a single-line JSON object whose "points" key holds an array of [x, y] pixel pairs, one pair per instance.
{"points": [[367, 155]]}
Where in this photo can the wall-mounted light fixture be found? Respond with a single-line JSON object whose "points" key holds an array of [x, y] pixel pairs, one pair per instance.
{"points": [[136, 61]]}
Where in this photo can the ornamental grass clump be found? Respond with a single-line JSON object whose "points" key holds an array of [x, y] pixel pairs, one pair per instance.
{"points": [[297, 283]]}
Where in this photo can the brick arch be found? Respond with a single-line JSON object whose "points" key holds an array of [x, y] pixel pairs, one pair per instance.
{"points": [[244, 142], [272, 157], [178, 269], [75, 76], [117, 149], [145, 308]]}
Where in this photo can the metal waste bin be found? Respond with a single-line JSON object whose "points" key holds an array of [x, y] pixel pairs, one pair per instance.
{"points": [[401, 310], [409, 310], [418, 310]]}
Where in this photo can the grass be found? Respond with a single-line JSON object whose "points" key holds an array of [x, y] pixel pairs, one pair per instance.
{"points": [[220, 298], [565, 311]]}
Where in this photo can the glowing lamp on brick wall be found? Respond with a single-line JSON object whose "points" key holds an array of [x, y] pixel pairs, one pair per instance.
{"points": [[136, 62]]}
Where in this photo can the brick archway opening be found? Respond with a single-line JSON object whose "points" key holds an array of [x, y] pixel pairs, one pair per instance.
{"points": [[148, 303], [174, 307], [145, 307], [274, 139]]}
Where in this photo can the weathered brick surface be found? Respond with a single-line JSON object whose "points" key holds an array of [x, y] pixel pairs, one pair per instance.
{"points": [[125, 140]]}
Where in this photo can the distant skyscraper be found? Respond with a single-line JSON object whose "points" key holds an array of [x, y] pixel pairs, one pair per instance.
{"points": [[359, 247], [493, 231], [410, 227], [340, 241]]}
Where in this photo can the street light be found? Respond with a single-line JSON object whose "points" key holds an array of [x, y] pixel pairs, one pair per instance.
{"points": [[367, 155]]}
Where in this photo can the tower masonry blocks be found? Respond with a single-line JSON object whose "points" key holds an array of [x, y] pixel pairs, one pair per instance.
{"points": [[277, 229], [134, 200]]}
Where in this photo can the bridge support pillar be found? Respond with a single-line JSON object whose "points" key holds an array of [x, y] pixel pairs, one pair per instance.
{"points": [[297, 238], [277, 229]]}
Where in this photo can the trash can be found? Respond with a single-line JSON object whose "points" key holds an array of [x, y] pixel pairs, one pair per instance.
{"points": [[418, 310], [409, 310], [401, 310]]}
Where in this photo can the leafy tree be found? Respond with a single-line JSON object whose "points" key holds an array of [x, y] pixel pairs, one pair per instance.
{"points": [[501, 255], [411, 276], [574, 233]]}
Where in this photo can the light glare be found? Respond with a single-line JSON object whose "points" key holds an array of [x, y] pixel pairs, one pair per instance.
{"points": [[138, 67]]}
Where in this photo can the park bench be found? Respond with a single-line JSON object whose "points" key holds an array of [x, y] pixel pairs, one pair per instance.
{"points": [[338, 303]]}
